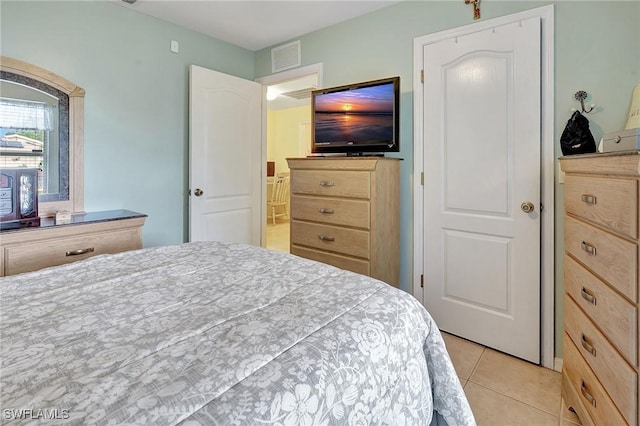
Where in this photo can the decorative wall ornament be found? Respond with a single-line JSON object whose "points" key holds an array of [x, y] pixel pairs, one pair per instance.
{"points": [[476, 8]]}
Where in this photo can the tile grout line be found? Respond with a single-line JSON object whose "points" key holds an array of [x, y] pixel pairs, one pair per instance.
{"points": [[470, 379], [522, 402], [515, 399], [475, 366], [557, 415]]}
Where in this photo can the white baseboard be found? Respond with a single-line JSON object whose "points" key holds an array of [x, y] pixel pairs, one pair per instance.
{"points": [[557, 364]]}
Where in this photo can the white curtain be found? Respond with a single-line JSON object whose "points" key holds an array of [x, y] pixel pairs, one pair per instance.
{"points": [[28, 115]]}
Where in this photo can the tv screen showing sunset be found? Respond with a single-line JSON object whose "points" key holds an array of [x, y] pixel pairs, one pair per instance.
{"points": [[355, 116]]}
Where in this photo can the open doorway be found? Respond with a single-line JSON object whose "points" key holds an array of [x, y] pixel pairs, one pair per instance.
{"points": [[288, 134]]}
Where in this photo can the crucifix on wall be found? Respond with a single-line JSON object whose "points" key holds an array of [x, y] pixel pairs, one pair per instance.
{"points": [[476, 7]]}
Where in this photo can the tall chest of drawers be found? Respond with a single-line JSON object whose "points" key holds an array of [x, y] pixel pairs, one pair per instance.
{"points": [[601, 357], [346, 212]]}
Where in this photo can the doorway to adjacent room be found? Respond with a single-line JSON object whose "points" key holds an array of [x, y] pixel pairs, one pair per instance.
{"points": [[288, 134]]}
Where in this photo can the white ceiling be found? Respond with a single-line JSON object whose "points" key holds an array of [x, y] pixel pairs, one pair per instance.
{"points": [[255, 25]]}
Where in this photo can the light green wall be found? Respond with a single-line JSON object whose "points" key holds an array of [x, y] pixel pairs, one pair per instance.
{"points": [[136, 105], [597, 49]]}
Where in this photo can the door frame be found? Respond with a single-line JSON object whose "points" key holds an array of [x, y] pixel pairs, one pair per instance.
{"points": [[547, 164], [269, 80]]}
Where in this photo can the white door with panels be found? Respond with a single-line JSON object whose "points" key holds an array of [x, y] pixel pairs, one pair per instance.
{"points": [[481, 203], [225, 158]]}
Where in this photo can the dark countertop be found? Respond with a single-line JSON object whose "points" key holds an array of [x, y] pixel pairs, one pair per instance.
{"points": [[81, 218]]}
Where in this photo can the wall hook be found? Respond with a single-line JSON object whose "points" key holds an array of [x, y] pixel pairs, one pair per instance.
{"points": [[580, 96]]}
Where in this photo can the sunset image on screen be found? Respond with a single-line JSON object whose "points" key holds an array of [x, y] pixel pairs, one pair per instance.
{"points": [[360, 115], [377, 99]]}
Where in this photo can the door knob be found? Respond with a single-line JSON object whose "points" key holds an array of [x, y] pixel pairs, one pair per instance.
{"points": [[527, 207], [198, 192]]}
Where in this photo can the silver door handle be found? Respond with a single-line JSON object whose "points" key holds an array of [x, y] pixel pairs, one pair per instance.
{"points": [[325, 211], [326, 183], [327, 239]]}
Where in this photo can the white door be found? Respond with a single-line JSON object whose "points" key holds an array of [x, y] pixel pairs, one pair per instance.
{"points": [[225, 157], [482, 146]]}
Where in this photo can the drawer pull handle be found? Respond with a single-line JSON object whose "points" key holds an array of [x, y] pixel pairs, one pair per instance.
{"points": [[588, 248], [325, 211], [587, 395], [327, 239], [79, 251], [589, 199], [586, 345], [326, 183], [588, 296]]}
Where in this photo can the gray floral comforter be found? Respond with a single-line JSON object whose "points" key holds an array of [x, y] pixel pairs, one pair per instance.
{"points": [[216, 334]]}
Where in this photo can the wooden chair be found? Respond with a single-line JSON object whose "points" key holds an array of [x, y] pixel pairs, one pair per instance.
{"points": [[279, 196]]}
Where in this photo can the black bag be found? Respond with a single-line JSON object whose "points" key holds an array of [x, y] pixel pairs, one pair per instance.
{"points": [[576, 137]]}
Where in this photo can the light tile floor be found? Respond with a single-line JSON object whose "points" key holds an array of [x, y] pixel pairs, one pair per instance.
{"points": [[503, 390], [278, 235]]}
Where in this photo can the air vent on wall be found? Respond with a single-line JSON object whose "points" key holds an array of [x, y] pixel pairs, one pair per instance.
{"points": [[285, 56], [300, 94]]}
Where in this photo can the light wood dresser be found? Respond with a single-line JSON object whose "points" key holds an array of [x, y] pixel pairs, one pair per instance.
{"points": [[346, 212], [600, 361], [89, 234]]}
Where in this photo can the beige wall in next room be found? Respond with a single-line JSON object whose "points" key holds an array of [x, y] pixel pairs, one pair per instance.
{"points": [[288, 134]]}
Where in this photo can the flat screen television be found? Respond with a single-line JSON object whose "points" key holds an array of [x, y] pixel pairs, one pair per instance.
{"points": [[357, 119]]}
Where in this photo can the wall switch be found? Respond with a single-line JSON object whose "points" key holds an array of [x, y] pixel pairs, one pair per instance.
{"points": [[175, 47]]}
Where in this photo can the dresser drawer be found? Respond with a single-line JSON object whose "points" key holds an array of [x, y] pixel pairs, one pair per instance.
{"points": [[615, 374], [336, 211], [612, 258], [591, 393], [612, 203], [572, 399], [342, 262], [615, 316], [331, 238], [332, 183], [58, 251]]}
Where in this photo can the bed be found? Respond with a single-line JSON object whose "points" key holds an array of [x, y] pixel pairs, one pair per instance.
{"points": [[209, 333]]}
